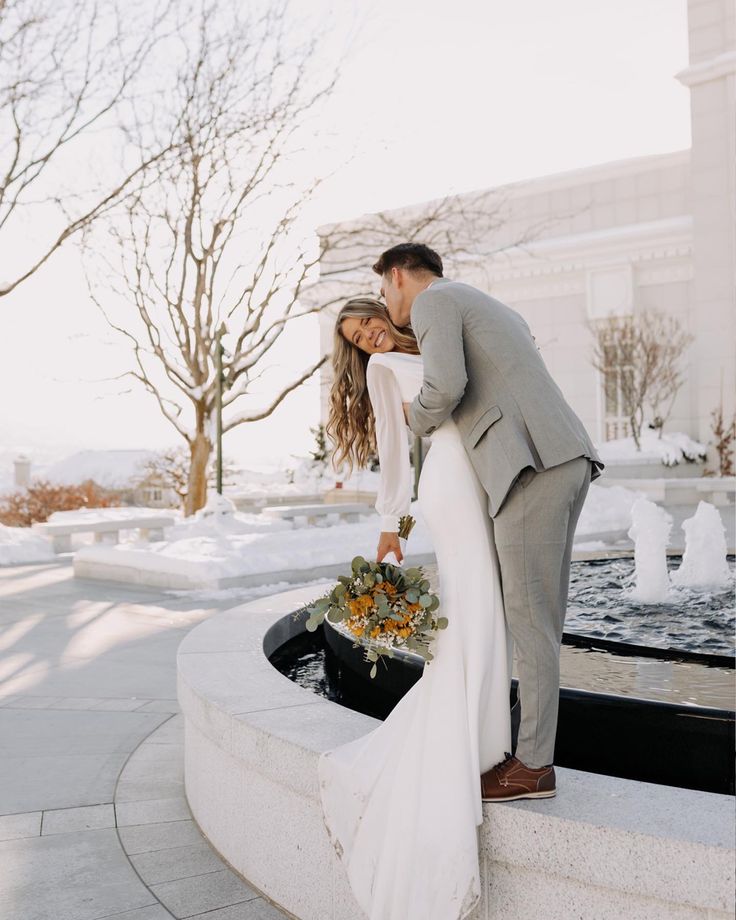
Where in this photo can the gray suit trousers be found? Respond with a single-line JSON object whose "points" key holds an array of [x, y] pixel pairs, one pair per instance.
{"points": [[533, 534]]}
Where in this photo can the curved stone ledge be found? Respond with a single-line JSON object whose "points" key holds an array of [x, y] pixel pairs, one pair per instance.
{"points": [[603, 847]]}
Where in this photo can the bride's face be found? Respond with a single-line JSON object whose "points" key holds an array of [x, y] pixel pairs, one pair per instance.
{"points": [[369, 333]]}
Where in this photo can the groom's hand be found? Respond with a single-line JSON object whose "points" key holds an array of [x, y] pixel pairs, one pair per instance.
{"points": [[389, 543]]}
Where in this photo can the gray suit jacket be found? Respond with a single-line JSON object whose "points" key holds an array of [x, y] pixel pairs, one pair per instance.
{"points": [[481, 365]]}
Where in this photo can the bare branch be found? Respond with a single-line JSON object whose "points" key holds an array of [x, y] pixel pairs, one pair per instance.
{"points": [[264, 413], [66, 69], [639, 358]]}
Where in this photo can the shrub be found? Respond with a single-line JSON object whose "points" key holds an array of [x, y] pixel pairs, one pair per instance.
{"points": [[40, 500]]}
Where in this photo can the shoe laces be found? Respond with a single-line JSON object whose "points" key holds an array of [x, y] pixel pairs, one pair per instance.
{"points": [[500, 767]]}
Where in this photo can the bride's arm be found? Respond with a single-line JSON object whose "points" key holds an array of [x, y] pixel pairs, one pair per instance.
{"points": [[395, 485]]}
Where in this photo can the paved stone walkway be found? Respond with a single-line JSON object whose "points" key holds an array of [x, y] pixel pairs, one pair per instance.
{"points": [[93, 819]]}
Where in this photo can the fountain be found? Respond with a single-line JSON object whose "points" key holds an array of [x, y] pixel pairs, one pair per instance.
{"points": [[643, 668], [650, 532], [704, 562], [657, 843]]}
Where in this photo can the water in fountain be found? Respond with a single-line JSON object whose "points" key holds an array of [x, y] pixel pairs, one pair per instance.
{"points": [[650, 532], [704, 562]]}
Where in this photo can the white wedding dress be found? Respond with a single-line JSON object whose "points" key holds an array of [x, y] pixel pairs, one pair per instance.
{"points": [[402, 804]]}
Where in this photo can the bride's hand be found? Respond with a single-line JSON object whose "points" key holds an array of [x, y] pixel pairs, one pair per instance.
{"points": [[388, 542], [405, 407]]}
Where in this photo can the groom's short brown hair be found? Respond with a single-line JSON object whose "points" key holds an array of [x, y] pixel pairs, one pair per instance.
{"points": [[414, 257]]}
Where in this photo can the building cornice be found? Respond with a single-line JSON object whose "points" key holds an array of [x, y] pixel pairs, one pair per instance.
{"points": [[713, 69], [670, 238], [539, 185]]}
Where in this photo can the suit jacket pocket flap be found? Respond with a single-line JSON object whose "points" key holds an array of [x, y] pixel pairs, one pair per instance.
{"points": [[483, 423]]}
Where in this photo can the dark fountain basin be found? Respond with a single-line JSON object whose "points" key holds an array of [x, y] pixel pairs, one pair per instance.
{"points": [[656, 714]]}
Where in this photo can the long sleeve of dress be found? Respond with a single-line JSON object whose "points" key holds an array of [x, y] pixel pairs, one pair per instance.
{"points": [[395, 486]]}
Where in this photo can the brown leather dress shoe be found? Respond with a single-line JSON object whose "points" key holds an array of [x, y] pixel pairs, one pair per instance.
{"points": [[512, 779]]}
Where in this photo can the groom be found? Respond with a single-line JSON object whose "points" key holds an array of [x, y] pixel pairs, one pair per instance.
{"points": [[534, 459]]}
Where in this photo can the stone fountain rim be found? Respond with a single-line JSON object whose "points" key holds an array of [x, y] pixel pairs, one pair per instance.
{"points": [[229, 689], [252, 742]]}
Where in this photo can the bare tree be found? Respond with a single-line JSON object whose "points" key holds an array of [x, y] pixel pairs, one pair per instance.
{"points": [[213, 237], [466, 229], [66, 71], [171, 468], [724, 438], [639, 357]]}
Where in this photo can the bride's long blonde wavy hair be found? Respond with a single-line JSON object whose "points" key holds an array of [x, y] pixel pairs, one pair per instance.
{"points": [[350, 422]]}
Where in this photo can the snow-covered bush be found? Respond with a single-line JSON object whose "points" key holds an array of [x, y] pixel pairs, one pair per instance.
{"points": [[670, 449]]}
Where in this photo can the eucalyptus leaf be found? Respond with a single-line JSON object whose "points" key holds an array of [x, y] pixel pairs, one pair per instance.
{"points": [[374, 670], [336, 614], [442, 622]]}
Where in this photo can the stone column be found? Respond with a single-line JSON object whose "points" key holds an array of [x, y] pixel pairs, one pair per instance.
{"points": [[711, 78]]}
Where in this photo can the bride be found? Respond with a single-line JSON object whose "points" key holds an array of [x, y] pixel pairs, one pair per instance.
{"points": [[402, 804]]}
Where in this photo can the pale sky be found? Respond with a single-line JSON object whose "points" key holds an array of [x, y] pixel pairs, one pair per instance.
{"points": [[435, 97]]}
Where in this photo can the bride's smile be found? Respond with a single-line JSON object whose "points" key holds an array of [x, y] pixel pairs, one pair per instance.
{"points": [[369, 333]]}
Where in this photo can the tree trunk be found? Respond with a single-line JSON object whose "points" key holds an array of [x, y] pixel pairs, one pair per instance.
{"points": [[635, 430], [200, 448]]}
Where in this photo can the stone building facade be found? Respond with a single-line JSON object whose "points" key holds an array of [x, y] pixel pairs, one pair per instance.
{"points": [[650, 232]]}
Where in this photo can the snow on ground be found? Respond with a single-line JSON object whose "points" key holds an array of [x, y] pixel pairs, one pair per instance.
{"points": [[21, 545], [672, 448], [122, 514], [607, 509], [206, 523], [203, 523], [218, 552], [229, 545], [592, 546], [212, 547]]}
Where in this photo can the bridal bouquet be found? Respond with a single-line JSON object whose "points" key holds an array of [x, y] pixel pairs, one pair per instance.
{"points": [[384, 606]]}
